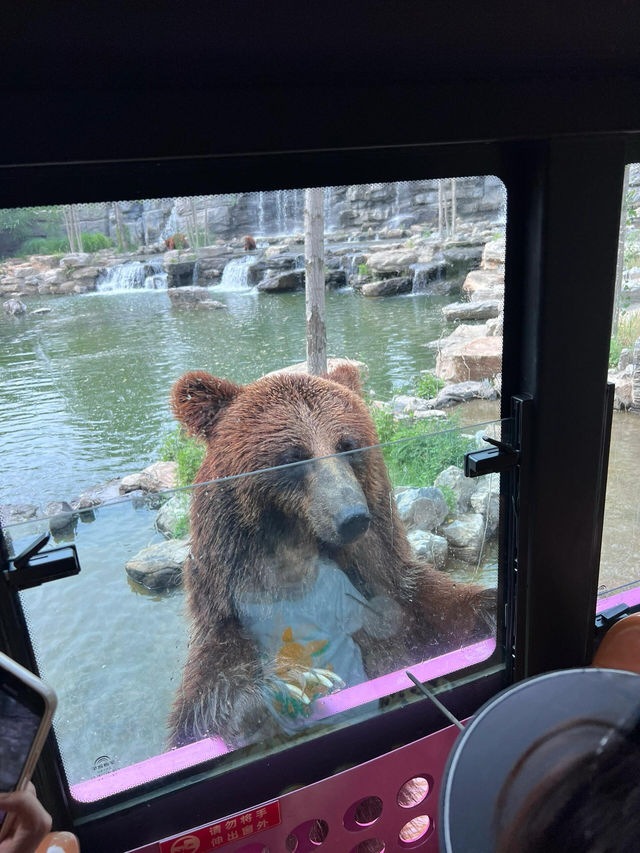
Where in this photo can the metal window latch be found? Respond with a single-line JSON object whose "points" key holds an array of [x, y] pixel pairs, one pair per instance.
{"points": [[490, 460], [31, 568]]}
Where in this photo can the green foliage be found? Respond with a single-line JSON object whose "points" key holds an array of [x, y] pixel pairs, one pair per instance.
{"points": [[44, 246], [417, 451], [428, 386], [451, 499], [426, 233], [627, 334], [186, 451], [182, 527], [363, 269], [95, 242]]}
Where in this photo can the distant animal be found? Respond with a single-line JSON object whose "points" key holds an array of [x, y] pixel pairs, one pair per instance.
{"points": [[249, 244], [300, 578], [176, 241]]}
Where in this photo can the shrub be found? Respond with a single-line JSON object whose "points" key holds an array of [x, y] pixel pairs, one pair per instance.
{"points": [[416, 451], [625, 338], [428, 386], [95, 242], [44, 246], [363, 269], [186, 451]]}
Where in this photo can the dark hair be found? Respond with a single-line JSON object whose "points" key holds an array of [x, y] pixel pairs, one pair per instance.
{"points": [[586, 804]]}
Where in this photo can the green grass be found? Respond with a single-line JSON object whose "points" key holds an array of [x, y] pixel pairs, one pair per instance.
{"points": [[427, 386], [44, 246], [186, 451], [420, 449], [95, 242], [625, 338]]}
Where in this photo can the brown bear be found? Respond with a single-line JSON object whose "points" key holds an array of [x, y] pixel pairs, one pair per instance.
{"points": [[249, 244], [176, 241], [300, 577]]}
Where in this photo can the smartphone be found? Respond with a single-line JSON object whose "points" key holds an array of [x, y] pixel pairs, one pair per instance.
{"points": [[26, 708]]}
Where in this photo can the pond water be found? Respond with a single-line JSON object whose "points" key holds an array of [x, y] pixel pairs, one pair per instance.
{"points": [[84, 389]]}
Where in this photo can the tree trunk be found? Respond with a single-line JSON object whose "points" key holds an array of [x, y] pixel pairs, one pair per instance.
{"points": [[314, 276], [453, 208], [120, 235], [194, 217], [76, 228], [620, 260], [440, 211], [68, 227]]}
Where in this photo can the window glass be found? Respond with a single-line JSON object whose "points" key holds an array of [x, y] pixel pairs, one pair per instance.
{"points": [[620, 559], [255, 570]]}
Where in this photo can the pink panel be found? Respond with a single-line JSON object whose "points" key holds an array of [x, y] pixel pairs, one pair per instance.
{"points": [[188, 756], [334, 801]]}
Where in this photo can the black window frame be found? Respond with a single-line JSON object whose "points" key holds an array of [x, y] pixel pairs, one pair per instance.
{"points": [[556, 235]]}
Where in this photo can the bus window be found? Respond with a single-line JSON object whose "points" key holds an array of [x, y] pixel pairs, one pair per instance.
{"points": [[620, 558], [264, 553]]}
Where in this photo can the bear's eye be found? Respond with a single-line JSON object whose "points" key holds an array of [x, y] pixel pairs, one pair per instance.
{"points": [[291, 455], [347, 443]]}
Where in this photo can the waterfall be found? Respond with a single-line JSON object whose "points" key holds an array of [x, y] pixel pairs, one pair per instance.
{"points": [[134, 275], [261, 214], [235, 276]]}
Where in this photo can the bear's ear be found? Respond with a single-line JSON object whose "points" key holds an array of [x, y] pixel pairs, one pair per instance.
{"points": [[349, 376], [197, 399]]}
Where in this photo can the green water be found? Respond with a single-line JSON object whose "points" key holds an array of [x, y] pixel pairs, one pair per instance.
{"points": [[84, 389]]}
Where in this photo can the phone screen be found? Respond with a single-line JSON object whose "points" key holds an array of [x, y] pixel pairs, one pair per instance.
{"points": [[21, 710]]}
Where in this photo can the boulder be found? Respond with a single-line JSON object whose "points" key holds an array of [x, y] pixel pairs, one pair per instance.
{"points": [[78, 259], [388, 286], [179, 269], [465, 536], [480, 310], [462, 392], [96, 495], [430, 547], [463, 258], [424, 508], [477, 359], [159, 567], [395, 260], [282, 283], [60, 515], [403, 404], [486, 501], [192, 297], [484, 284], [453, 480], [14, 307], [433, 276], [158, 477], [493, 254], [171, 517], [335, 279]]}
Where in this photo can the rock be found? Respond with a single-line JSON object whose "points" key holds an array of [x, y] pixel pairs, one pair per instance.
{"points": [[179, 269], [493, 254], [432, 276], [403, 404], [335, 279], [430, 547], [395, 260], [388, 286], [626, 358], [158, 477], [332, 363], [14, 307], [60, 515], [159, 567], [484, 284], [282, 283], [465, 536], [18, 513], [192, 297], [97, 495], [79, 259], [172, 514], [477, 359], [424, 508], [462, 392], [484, 310], [623, 394], [495, 326], [486, 501], [463, 258], [452, 479]]}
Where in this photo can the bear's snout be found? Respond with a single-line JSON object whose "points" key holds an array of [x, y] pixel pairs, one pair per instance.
{"points": [[351, 522]]}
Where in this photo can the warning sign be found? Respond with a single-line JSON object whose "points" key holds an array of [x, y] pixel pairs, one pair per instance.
{"points": [[216, 835]]}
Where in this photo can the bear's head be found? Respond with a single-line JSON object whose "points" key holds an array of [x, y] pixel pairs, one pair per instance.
{"points": [[302, 435]]}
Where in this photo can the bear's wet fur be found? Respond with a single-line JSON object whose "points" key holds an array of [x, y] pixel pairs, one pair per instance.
{"points": [[249, 534], [249, 244]]}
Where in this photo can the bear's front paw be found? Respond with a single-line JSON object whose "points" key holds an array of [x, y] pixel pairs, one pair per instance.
{"points": [[294, 694]]}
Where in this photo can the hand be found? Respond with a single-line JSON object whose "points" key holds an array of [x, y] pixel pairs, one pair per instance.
{"points": [[28, 821]]}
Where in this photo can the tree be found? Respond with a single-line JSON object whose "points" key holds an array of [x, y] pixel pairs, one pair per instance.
{"points": [[314, 278], [620, 259]]}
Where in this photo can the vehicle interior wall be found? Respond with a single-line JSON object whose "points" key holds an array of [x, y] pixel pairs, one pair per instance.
{"points": [[255, 96]]}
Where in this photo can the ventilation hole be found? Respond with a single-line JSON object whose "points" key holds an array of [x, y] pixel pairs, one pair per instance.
{"points": [[416, 831], [318, 832], [371, 845], [367, 811], [291, 843], [414, 791]]}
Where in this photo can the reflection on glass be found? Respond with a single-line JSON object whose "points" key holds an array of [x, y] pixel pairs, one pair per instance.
{"points": [[307, 585], [620, 557]]}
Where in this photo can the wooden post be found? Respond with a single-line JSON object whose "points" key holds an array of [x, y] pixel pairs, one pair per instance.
{"points": [[314, 280], [620, 259]]}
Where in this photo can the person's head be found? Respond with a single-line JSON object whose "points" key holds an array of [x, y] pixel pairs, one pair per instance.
{"points": [[588, 800]]}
